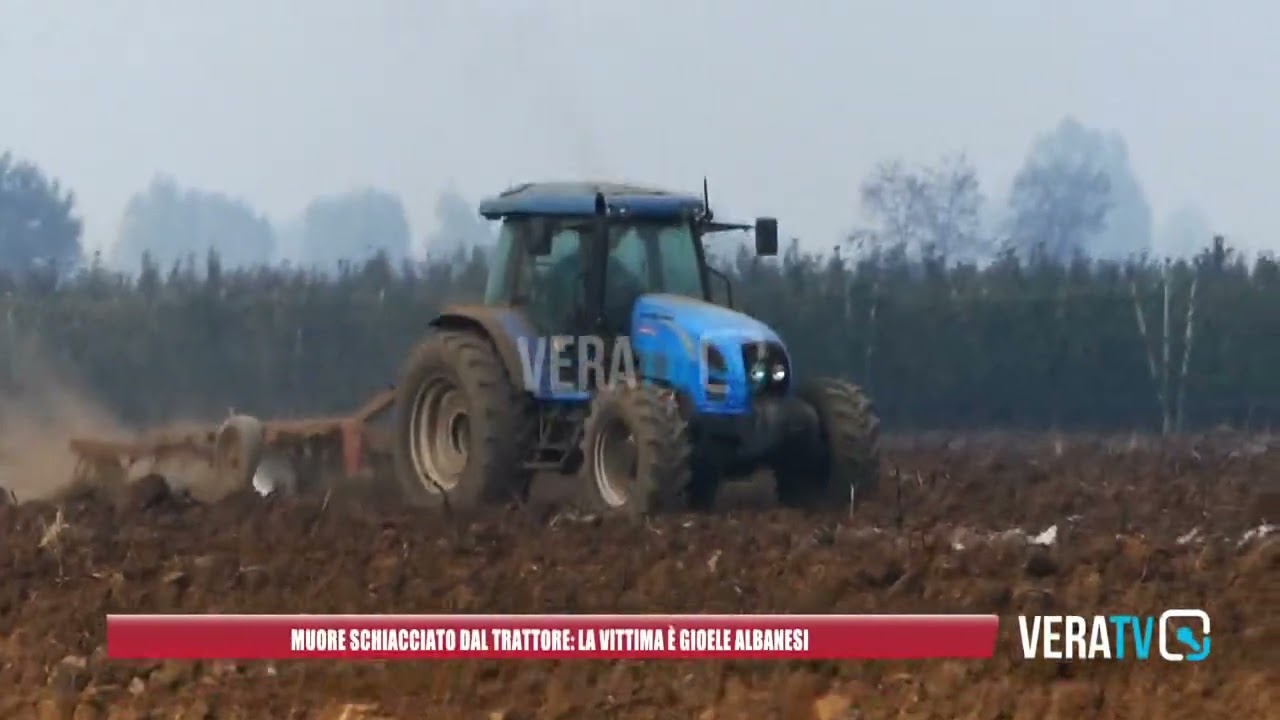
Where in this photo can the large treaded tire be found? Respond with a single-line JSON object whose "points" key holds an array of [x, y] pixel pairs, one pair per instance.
{"points": [[664, 452], [500, 418], [846, 454]]}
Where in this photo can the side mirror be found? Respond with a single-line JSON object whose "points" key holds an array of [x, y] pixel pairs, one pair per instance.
{"points": [[766, 236]]}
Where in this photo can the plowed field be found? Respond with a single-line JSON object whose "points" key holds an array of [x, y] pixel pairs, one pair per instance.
{"points": [[1136, 529]]}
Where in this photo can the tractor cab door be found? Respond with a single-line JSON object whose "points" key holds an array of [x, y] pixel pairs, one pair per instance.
{"points": [[552, 290], [551, 287], [630, 273]]}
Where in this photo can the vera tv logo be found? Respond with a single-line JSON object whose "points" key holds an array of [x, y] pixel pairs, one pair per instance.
{"points": [[1183, 636]]}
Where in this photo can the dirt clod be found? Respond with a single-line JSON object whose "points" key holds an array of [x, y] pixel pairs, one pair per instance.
{"points": [[70, 676], [150, 491]]}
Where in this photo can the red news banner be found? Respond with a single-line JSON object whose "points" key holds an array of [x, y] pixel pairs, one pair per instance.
{"points": [[613, 637]]}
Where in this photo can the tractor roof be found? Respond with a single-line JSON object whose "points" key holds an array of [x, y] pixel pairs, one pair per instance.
{"points": [[579, 199]]}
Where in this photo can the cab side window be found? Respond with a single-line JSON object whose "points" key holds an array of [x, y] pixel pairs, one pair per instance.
{"points": [[631, 255], [680, 270], [551, 286], [629, 275]]}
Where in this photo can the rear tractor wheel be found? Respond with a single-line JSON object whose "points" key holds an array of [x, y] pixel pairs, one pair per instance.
{"points": [[842, 463], [462, 427]]}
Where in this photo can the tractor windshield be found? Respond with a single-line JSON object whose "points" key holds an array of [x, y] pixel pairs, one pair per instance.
{"points": [[644, 257], [654, 257]]}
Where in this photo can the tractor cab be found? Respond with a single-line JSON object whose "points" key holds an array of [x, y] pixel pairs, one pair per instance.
{"points": [[576, 256]]}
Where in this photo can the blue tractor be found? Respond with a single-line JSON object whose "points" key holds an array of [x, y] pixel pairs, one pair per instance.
{"points": [[599, 352]]}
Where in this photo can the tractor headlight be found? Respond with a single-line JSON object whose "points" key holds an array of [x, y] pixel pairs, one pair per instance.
{"points": [[767, 369]]}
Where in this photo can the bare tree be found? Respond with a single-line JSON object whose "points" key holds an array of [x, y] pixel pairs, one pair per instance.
{"points": [[952, 208], [930, 210]]}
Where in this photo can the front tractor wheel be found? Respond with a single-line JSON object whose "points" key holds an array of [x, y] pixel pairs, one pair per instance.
{"points": [[842, 462], [636, 452], [461, 425]]}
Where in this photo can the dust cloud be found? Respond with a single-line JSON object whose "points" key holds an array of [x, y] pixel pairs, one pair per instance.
{"points": [[37, 419]]}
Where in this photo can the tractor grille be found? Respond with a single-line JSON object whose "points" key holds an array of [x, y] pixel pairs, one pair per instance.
{"points": [[768, 371]]}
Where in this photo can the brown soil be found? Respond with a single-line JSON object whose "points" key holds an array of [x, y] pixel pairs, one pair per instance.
{"points": [[925, 546]]}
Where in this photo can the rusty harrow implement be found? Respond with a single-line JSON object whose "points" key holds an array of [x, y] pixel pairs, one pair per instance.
{"points": [[285, 456]]}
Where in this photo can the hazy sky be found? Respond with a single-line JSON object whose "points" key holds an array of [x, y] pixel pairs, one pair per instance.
{"points": [[784, 104]]}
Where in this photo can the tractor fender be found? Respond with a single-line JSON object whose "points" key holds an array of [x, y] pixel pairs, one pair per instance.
{"points": [[501, 325]]}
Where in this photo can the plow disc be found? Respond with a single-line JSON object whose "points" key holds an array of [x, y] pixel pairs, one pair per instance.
{"points": [[237, 451], [269, 456]]}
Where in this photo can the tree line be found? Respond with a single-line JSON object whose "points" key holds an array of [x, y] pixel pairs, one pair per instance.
{"points": [[1046, 310], [167, 222], [1076, 192], [1018, 342]]}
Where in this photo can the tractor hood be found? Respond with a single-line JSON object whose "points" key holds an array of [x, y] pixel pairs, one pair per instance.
{"points": [[674, 339], [702, 321]]}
